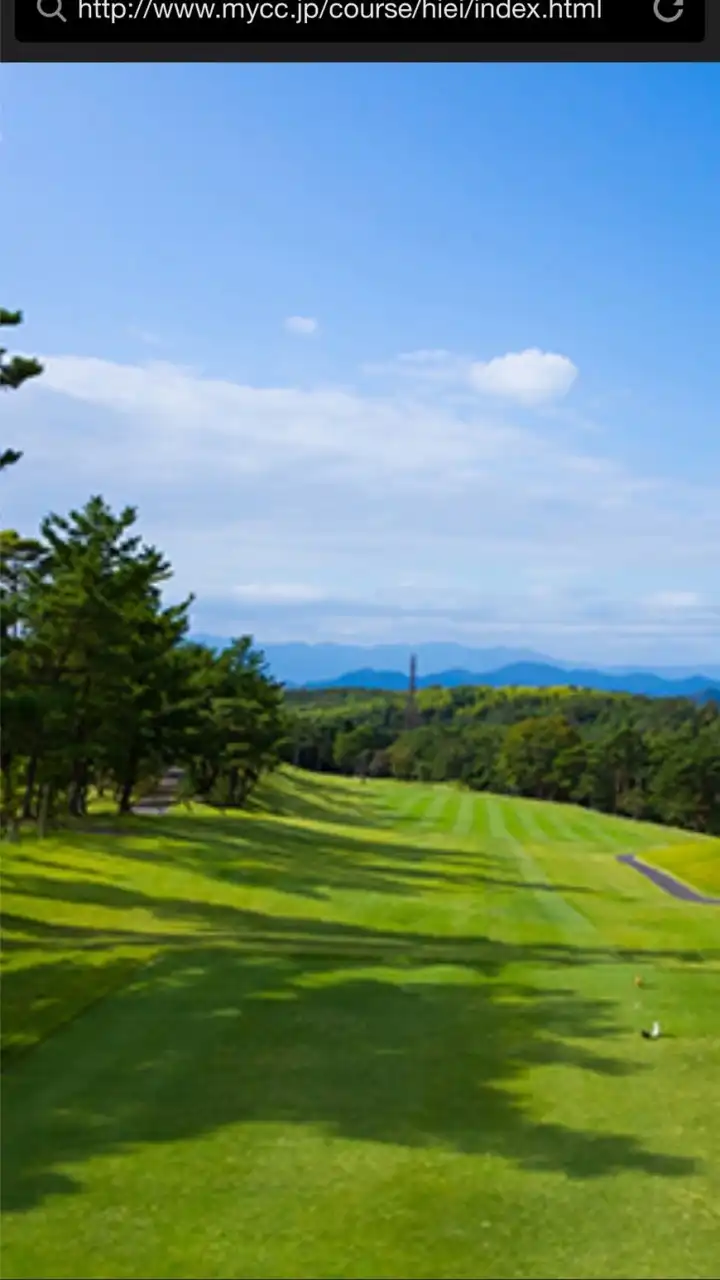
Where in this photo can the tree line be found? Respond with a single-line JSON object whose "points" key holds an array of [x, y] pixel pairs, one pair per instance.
{"points": [[101, 687], [647, 758]]}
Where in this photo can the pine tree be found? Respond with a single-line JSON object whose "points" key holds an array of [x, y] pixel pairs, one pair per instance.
{"points": [[13, 372]]}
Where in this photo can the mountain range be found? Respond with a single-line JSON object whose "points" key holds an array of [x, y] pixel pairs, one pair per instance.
{"points": [[317, 666], [534, 675]]}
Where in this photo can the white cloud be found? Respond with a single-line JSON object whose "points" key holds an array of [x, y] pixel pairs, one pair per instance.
{"points": [[176, 427], [187, 417], [341, 508], [305, 325], [528, 377]]}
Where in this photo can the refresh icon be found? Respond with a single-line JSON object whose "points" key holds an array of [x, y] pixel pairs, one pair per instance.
{"points": [[677, 6]]}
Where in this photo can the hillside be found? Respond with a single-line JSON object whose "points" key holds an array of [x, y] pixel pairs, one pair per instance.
{"points": [[654, 758]]}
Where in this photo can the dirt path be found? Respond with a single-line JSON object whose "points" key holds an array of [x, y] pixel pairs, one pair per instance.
{"points": [[158, 803], [668, 883]]}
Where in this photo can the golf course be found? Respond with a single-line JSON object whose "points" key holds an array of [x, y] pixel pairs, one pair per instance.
{"points": [[360, 1030]]}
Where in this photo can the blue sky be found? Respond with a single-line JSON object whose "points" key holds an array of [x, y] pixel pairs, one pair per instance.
{"points": [[382, 352]]}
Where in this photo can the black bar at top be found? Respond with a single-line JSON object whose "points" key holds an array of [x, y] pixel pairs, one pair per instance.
{"points": [[661, 22]]}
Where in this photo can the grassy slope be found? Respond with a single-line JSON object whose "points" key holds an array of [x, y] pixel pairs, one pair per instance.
{"points": [[697, 862], [382, 1031]]}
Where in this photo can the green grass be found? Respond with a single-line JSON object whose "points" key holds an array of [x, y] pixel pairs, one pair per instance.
{"points": [[696, 862], [364, 1030]]}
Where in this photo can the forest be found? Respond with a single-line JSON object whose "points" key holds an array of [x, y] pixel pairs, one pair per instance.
{"points": [[650, 758]]}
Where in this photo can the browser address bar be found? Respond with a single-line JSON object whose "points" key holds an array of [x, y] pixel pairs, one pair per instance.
{"points": [[544, 21]]}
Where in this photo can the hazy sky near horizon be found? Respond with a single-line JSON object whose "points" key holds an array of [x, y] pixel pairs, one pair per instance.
{"points": [[381, 352]]}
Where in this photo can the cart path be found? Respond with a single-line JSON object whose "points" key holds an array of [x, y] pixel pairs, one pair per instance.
{"points": [[165, 795], [666, 882]]}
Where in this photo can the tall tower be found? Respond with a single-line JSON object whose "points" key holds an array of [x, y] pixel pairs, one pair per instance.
{"points": [[412, 715]]}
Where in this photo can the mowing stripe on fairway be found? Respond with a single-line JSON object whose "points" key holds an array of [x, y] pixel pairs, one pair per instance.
{"points": [[423, 799], [496, 818], [526, 814], [435, 811], [449, 815], [557, 824], [550, 901], [514, 820], [409, 798], [593, 833], [465, 818]]}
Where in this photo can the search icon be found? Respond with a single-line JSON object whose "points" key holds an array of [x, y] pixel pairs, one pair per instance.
{"points": [[54, 13]]}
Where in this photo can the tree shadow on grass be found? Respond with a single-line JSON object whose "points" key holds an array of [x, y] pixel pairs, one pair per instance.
{"points": [[266, 853], [190, 922], [255, 1018], [368, 1035], [40, 998], [312, 797], [358, 1056], [192, 918]]}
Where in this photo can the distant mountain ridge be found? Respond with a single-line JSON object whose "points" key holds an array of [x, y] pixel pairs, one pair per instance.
{"points": [[304, 663], [534, 675], [301, 661]]}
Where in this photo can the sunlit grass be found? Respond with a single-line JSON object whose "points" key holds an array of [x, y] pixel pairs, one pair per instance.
{"points": [[363, 1030], [696, 862]]}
